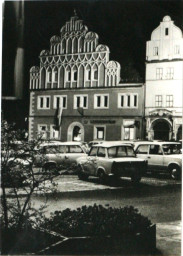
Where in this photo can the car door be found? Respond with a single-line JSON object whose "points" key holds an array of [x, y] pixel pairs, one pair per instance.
{"points": [[56, 153], [74, 152], [155, 157], [90, 164]]}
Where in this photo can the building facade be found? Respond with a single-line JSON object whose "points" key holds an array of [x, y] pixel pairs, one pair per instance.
{"points": [[164, 82], [76, 94]]}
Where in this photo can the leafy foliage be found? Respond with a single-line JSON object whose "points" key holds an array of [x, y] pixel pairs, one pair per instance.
{"points": [[19, 176], [97, 220]]}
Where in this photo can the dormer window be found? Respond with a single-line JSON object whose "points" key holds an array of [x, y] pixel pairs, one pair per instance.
{"points": [[166, 31]]}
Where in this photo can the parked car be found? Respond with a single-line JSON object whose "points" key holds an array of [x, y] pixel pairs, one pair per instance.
{"points": [[162, 156], [110, 158], [53, 154], [95, 142]]}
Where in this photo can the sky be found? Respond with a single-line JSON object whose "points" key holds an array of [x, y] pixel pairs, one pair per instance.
{"points": [[124, 26]]}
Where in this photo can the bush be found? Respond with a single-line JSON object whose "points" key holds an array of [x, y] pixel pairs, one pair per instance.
{"points": [[97, 220]]}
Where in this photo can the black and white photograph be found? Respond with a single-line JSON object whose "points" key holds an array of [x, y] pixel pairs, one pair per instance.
{"points": [[91, 127]]}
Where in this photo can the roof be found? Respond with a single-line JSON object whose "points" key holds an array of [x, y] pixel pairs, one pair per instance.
{"points": [[111, 144], [156, 142], [60, 143]]}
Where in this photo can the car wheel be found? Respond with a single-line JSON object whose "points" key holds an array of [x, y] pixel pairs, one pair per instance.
{"points": [[175, 172], [135, 178], [102, 176], [81, 174]]}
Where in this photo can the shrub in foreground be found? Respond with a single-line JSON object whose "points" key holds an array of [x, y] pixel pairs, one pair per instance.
{"points": [[97, 220]]}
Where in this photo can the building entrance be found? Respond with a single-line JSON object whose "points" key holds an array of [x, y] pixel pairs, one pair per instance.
{"points": [[161, 130], [75, 132]]}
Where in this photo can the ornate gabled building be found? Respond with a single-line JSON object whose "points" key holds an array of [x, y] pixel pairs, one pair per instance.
{"points": [[76, 94], [164, 82]]}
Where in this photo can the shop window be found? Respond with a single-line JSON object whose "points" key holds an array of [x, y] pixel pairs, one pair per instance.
{"points": [[129, 133], [99, 132], [54, 133], [42, 131]]}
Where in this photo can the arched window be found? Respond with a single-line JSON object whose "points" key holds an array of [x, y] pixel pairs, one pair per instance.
{"points": [[69, 46], [63, 46], [43, 78], [75, 45], [68, 74], [55, 75], [49, 77], [95, 72], [74, 74], [88, 73]]}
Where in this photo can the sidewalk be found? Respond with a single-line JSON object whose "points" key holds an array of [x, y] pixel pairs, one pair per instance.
{"points": [[168, 238]]}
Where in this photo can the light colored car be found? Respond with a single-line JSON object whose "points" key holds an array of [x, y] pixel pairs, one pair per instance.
{"points": [[161, 156], [53, 154], [110, 158]]}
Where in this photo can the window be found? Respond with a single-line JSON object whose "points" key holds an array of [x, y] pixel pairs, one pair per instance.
{"points": [[170, 73], [120, 151], [88, 74], [49, 76], [127, 100], [101, 152], [158, 100], [99, 132], [122, 100], [129, 133], [43, 102], [80, 101], [177, 49], [159, 73], [101, 101], [166, 31], [95, 74], [60, 102], [75, 75], [135, 100], [93, 151], [155, 150], [155, 51], [42, 131], [55, 76], [142, 149], [169, 100], [54, 133], [68, 75], [75, 149]]}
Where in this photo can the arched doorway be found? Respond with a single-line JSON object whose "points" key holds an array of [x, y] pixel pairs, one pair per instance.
{"points": [[75, 132], [161, 129]]}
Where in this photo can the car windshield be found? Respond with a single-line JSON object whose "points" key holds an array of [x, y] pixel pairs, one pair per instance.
{"points": [[120, 151], [171, 149]]}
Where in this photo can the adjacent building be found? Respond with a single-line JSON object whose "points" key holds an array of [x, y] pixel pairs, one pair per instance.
{"points": [[76, 93], [164, 82]]}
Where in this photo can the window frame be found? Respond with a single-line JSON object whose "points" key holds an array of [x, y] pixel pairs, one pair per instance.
{"points": [[159, 73], [45, 133], [81, 96], [157, 101], [61, 100], [95, 134], [125, 100], [169, 100], [45, 97], [102, 101], [51, 130], [155, 51]]}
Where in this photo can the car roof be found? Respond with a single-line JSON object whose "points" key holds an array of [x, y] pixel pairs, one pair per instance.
{"points": [[157, 142], [111, 144], [59, 143]]}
